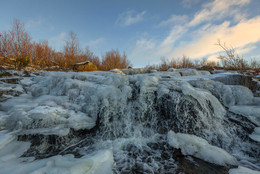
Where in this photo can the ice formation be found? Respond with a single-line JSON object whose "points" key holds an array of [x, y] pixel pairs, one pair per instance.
{"points": [[60, 120], [243, 170], [256, 134], [200, 148], [251, 112]]}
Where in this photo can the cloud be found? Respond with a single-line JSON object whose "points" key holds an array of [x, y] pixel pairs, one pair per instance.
{"points": [[240, 35], [174, 19], [143, 53], [188, 3], [202, 37], [218, 9], [58, 41], [145, 44], [96, 42], [130, 17], [196, 37], [246, 49], [32, 24]]}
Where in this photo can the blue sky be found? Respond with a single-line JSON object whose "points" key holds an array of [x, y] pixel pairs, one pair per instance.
{"points": [[145, 29]]}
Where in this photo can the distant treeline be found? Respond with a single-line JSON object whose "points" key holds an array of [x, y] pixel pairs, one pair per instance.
{"points": [[18, 49]]}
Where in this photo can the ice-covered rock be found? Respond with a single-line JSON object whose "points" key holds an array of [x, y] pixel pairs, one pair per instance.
{"points": [[200, 148], [243, 170], [171, 70], [153, 71], [98, 163], [204, 73], [228, 94], [117, 71], [252, 112], [188, 72], [256, 134]]}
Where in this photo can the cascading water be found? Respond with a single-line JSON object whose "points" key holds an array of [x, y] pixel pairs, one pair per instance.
{"points": [[82, 113]]}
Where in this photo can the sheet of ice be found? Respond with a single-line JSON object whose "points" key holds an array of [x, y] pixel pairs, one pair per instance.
{"points": [[242, 95], [3, 118], [12, 151], [5, 138], [11, 161], [46, 120], [200, 148], [256, 134], [243, 170], [171, 69], [251, 112], [228, 94], [26, 81], [98, 163], [204, 73], [189, 72]]}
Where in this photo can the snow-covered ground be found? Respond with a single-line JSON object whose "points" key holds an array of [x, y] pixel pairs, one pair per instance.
{"points": [[110, 122]]}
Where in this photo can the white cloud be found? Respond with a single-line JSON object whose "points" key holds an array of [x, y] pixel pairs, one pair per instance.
{"points": [[174, 19], [145, 44], [58, 41], [213, 58], [143, 53], [32, 24], [218, 9], [96, 42], [130, 17], [189, 3]]}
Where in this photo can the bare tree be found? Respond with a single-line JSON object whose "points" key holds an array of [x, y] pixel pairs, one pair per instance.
{"points": [[5, 44], [71, 49], [113, 59], [42, 54], [186, 62], [231, 60], [20, 44]]}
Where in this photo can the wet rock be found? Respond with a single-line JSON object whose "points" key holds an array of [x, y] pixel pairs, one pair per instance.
{"points": [[191, 165], [11, 80], [5, 74]]}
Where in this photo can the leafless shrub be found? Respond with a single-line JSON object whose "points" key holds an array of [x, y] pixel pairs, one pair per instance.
{"points": [[231, 60], [113, 59]]}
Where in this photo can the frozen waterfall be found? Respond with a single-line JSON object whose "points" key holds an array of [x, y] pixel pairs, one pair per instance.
{"points": [[96, 122]]}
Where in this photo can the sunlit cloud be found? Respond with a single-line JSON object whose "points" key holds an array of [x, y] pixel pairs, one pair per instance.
{"points": [[202, 31], [217, 9], [130, 17], [246, 49], [240, 35]]}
